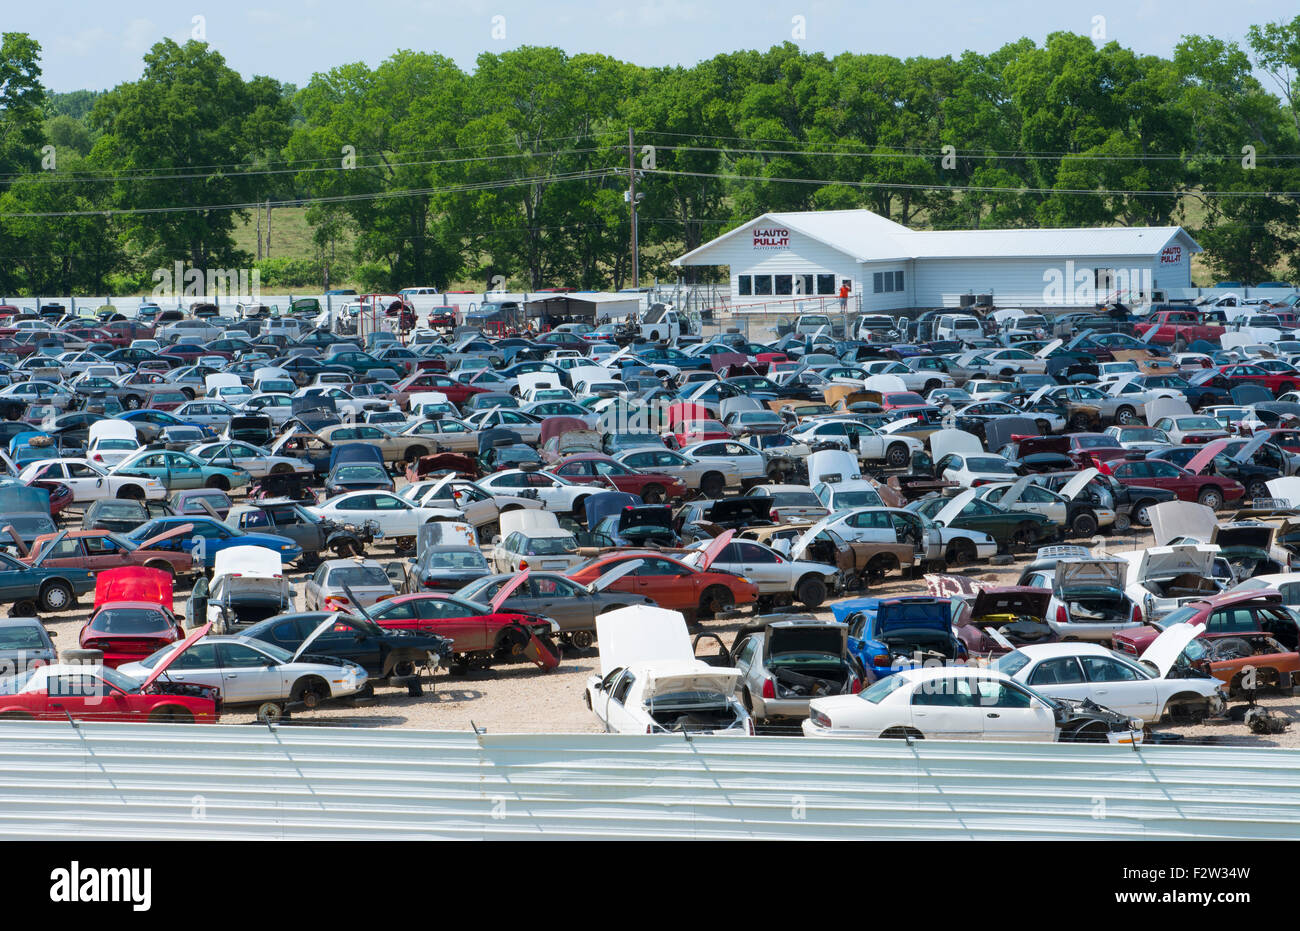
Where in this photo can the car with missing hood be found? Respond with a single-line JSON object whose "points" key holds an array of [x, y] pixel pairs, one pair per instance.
{"points": [[955, 703], [1214, 459], [1078, 516], [966, 511], [252, 673], [101, 693], [1160, 579], [1213, 491], [993, 619], [650, 681], [534, 540], [1089, 600], [787, 660], [1153, 689], [630, 523], [953, 545]]}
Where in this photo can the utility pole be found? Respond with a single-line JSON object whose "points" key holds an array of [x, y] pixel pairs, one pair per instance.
{"points": [[259, 232], [631, 196], [268, 229]]}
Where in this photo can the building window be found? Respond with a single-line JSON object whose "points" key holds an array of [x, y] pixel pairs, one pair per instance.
{"points": [[762, 284], [784, 284], [825, 284], [803, 284], [878, 283], [898, 281], [744, 286]]}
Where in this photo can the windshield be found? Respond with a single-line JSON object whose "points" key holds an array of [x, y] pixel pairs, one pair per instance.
{"points": [[21, 638], [882, 687], [552, 546], [460, 559], [358, 575], [980, 464], [130, 621], [1011, 663], [794, 499], [857, 499]]}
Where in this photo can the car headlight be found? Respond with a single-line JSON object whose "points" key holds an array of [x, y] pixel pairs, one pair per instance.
{"points": [[287, 546]]}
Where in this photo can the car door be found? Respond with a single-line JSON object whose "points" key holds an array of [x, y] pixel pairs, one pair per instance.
{"points": [[397, 515], [199, 665], [1120, 687], [1008, 712], [85, 482], [248, 675], [569, 604], [944, 709], [468, 633], [346, 640], [182, 472], [760, 565], [85, 696]]}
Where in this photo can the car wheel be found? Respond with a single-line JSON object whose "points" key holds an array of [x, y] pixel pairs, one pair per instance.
{"points": [[1044, 427], [24, 608], [1026, 537], [219, 482], [1256, 490], [1079, 423], [131, 402], [712, 485], [311, 692], [415, 452], [811, 592], [896, 455], [1142, 513], [1085, 524], [1125, 415], [582, 639], [56, 596], [270, 712], [652, 494], [1212, 498]]}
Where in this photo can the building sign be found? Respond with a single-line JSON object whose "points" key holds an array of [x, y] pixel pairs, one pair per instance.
{"points": [[768, 237], [1171, 255]]}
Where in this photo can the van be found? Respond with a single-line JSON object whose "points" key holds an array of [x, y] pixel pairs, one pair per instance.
{"points": [[958, 327]]}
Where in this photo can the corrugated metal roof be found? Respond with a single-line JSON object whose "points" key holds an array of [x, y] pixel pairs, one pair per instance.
{"points": [[869, 237], [139, 781]]}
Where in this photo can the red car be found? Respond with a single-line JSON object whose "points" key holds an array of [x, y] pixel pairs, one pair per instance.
{"points": [[1246, 374], [100, 693], [672, 584], [479, 633], [423, 380], [1242, 630], [686, 432], [1213, 491], [596, 469], [61, 496], [133, 615]]}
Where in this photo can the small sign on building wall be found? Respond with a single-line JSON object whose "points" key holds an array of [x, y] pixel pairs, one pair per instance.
{"points": [[1171, 255], [770, 237]]}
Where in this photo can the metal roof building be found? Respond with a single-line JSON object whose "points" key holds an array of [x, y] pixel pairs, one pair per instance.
{"points": [[779, 258]]}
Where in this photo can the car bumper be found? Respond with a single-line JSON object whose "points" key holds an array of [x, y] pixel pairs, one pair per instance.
{"points": [[769, 708]]}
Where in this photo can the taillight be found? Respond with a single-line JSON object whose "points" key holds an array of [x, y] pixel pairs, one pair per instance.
{"points": [[649, 728], [428, 583], [880, 660], [819, 719], [1062, 615], [523, 564], [856, 687], [749, 726], [335, 602], [769, 688], [1137, 613]]}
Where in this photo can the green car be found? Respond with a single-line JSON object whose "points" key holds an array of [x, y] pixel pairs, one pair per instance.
{"points": [[35, 587], [179, 471], [967, 512]]}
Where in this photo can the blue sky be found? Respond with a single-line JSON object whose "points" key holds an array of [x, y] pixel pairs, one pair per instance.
{"points": [[97, 45]]}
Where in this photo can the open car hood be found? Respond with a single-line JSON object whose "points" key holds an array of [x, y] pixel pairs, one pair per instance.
{"points": [[714, 549], [1204, 456], [1286, 489], [641, 634], [943, 442], [830, 637], [914, 615], [953, 508], [1173, 520], [1164, 651], [1167, 562], [606, 579], [133, 583], [1070, 490], [312, 637], [1014, 491], [1243, 535], [1075, 574], [699, 677], [833, 466], [506, 590], [194, 636]]}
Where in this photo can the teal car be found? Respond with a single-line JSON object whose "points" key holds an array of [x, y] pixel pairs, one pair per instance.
{"points": [[36, 588], [359, 362], [179, 471]]}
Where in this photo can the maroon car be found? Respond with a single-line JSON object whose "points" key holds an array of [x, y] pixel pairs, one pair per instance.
{"points": [[598, 469], [1213, 491]]}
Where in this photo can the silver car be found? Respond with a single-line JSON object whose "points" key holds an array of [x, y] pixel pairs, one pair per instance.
{"points": [[790, 660], [336, 582]]}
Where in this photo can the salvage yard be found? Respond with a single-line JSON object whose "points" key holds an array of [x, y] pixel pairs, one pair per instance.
{"points": [[520, 698]]}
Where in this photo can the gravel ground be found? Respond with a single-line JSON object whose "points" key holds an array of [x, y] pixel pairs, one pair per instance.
{"points": [[519, 697]]}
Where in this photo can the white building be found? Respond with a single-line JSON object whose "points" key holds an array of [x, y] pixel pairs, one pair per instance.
{"points": [[780, 258]]}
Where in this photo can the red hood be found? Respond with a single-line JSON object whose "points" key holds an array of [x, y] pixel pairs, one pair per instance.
{"points": [[133, 583]]}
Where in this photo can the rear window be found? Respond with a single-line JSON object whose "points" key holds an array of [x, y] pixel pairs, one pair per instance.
{"points": [[882, 687]]}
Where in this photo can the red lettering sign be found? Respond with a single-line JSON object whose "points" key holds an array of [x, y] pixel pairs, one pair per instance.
{"points": [[771, 238], [1172, 255]]}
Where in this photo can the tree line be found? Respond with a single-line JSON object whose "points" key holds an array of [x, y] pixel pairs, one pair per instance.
{"points": [[417, 172]]}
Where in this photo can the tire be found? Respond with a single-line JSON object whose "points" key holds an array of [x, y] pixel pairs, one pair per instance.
{"points": [[188, 392], [404, 670], [56, 595], [896, 455], [810, 592], [1044, 428], [131, 402], [1026, 537], [959, 553], [1211, 497], [1142, 513], [1084, 524], [715, 600], [171, 714], [1079, 423], [131, 493], [1123, 523], [270, 712], [310, 691], [1125, 415], [582, 639], [24, 608], [1256, 490], [346, 549], [162, 566], [712, 484]]}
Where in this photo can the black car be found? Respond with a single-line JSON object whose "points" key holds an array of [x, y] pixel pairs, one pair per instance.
{"points": [[381, 652], [1253, 476], [445, 568], [357, 476], [1131, 503]]}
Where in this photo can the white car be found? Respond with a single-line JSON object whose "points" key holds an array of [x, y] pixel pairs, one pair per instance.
{"points": [[746, 462], [395, 516], [794, 502], [481, 507], [90, 482], [255, 460], [957, 703], [711, 473], [1134, 436], [1025, 495], [912, 379], [780, 579], [967, 469], [1161, 579], [1089, 670], [858, 438], [556, 493], [277, 406], [897, 525], [209, 412], [651, 683], [256, 674]]}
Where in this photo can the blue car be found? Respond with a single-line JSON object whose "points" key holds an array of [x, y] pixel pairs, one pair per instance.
{"points": [[215, 535], [902, 632], [162, 419]]}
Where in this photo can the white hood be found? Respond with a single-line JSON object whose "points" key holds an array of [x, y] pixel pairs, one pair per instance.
{"points": [[1286, 489], [640, 635], [1070, 490], [1171, 520], [954, 507], [827, 463], [1166, 648], [695, 676], [1166, 407], [1167, 562], [943, 442], [884, 382], [529, 520]]}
